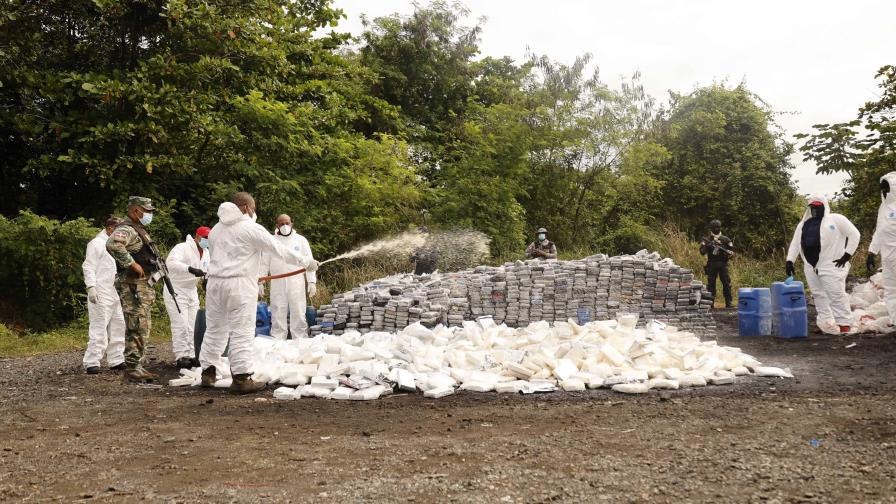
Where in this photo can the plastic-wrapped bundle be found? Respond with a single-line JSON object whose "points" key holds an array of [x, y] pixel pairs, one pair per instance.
{"points": [[484, 357]]}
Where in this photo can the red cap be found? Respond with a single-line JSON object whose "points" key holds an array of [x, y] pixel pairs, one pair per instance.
{"points": [[816, 203], [203, 231]]}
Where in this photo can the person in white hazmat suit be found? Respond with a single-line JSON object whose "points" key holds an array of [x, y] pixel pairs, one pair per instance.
{"points": [[106, 329], [883, 242], [825, 241], [288, 294], [187, 263], [236, 243]]}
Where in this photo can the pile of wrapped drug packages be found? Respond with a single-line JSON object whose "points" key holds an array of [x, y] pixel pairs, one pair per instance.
{"points": [[868, 309], [484, 357], [519, 293]]}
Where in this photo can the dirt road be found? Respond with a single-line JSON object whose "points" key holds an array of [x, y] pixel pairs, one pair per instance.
{"points": [[827, 436]]}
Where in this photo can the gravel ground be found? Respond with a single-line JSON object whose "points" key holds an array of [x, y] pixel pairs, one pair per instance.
{"points": [[827, 436]]}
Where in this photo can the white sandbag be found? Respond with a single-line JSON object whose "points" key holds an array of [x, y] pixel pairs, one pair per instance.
{"points": [[285, 394], [315, 391], [511, 387], [191, 373], [722, 377], [181, 382], [632, 388], [775, 372], [291, 376], [440, 380], [324, 382], [673, 373], [518, 370], [405, 380], [478, 386], [572, 385], [368, 394], [595, 382], [438, 392], [740, 371], [663, 383], [341, 393], [565, 368], [692, 380]]}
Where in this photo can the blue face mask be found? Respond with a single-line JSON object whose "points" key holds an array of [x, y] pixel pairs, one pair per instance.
{"points": [[146, 219], [203, 242], [541, 237]]}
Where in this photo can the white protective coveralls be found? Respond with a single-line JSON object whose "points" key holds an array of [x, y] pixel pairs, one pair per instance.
{"points": [[288, 294], [184, 255], [826, 281], [884, 243], [235, 247], [106, 329]]}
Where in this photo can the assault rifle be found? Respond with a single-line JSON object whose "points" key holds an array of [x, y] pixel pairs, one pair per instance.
{"points": [[163, 271], [716, 247], [159, 262]]}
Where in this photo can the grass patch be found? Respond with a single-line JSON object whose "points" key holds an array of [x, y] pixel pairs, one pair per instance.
{"points": [[71, 337]]}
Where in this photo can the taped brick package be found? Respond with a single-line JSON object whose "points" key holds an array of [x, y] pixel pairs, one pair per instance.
{"points": [[518, 293]]}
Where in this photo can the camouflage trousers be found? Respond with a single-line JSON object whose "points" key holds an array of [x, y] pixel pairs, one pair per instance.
{"points": [[136, 303]]}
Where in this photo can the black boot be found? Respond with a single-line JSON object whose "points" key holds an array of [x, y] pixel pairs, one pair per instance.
{"points": [[184, 363], [209, 377], [92, 370]]}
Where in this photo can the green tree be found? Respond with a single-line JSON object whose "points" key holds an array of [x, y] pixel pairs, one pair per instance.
{"points": [[424, 65], [186, 102], [864, 148], [582, 132], [728, 161]]}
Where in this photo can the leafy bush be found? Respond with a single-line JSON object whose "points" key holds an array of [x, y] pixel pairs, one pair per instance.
{"points": [[40, 273]]}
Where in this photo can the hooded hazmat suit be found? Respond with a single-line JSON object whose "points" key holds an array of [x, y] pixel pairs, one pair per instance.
{"points": [[288, 294], [184, 255], [826, 281], [106, 329], [235, 247], [884, 243]]}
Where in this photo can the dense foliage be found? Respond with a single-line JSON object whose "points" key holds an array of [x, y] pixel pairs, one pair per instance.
{"points": [[41, 268], [186, 102]]}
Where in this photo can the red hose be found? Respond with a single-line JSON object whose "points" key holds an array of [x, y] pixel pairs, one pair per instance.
{"points": [[281, 275]]}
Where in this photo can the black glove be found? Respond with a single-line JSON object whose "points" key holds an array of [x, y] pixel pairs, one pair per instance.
{"points": [[196, 271], [789, 269], [843, 260], [869, 263]]}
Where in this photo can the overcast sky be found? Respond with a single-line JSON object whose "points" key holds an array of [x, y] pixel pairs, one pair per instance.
{"points": [[816, 58]]}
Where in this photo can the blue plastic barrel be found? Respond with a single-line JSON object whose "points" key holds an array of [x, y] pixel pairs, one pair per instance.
{"points": [[311, 316], [747, 312], [764, 296], [790, 317], [262, 319]]}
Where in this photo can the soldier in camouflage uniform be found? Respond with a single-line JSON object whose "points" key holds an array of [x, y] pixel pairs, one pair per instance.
{"points": [[541, 248], [128, 245]]}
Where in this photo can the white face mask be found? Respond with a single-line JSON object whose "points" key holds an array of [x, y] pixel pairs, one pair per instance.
{"points": [[254, 217], [146, 219], [285, 229]]}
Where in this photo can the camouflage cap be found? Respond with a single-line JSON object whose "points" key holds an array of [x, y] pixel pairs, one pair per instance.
{"points": [[140, 201]]}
